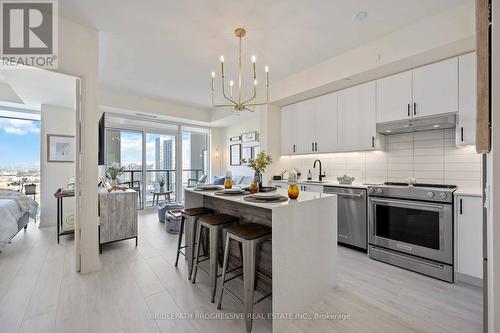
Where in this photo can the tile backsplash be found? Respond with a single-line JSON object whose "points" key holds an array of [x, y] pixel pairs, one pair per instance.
{"points": [[430, 157]]}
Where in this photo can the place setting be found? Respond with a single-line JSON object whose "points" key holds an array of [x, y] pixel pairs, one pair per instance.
{"points": [[233, 191], [207, 187]]}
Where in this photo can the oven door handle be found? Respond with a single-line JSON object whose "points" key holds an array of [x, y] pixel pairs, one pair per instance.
{"points": [[409, 204], [438, 266], [350, 195]]}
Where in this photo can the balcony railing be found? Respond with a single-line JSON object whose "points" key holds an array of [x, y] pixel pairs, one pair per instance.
{"points": [[133, 179]]}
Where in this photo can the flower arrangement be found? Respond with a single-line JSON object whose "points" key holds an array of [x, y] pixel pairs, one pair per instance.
{"points": [[260, 163], [114, 171], [162, 181]]}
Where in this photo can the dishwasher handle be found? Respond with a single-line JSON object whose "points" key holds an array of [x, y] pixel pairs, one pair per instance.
{"points": [[350, 195]]}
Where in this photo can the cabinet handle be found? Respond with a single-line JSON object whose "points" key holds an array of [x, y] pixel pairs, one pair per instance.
{"points": [[316, 146], [461, 209], [373, 142], [414, 108], [409, 107], [462, 134], [294, 148]]}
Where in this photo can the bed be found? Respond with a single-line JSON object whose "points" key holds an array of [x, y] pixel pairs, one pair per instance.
{"points": [[15, 211]]}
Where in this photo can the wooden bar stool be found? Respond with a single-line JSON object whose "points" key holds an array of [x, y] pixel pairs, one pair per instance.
{"points": [[250, 235], [214, 225], [194, 214]]}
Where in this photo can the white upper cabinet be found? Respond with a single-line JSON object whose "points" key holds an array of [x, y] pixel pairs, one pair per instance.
{"points": [[435, 88], [306, 111], [394, 97], [466, 125], [289, 129], [326, 124], [356, 118]]}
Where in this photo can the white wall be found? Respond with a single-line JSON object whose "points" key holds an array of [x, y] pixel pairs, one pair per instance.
{"points": [[220, 140], [430, 157], [54, 175], [124, 101], [79, 55]]}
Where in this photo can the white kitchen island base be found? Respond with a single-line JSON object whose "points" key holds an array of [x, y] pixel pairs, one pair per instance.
{"points": [[304, 246]]}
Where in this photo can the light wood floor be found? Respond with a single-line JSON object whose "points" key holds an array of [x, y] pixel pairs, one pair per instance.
{"points": [[41, 292]]}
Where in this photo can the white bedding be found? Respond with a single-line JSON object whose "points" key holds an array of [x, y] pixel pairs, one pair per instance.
{"points": [[9, 214]]}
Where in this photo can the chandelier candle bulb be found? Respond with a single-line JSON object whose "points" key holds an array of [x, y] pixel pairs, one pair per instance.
{"points": [[231, 83]]}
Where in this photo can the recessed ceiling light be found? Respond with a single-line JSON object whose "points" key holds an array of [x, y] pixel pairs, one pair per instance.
{"points": [[360, 16], [435, 126], [388, 131]]}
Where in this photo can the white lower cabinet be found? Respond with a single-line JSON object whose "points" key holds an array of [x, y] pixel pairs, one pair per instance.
{"points": [[311, 188], [469, 236]]}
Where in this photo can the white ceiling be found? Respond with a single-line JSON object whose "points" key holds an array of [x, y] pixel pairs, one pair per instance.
{"points": [[167, 48], [35, 87]]}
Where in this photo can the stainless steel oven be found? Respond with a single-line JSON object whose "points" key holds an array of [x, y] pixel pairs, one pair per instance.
{"points": [[412, 227]]}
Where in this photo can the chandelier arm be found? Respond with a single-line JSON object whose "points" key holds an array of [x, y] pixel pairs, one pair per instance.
{"points": [[253, 96], [223, 82], [220, 105], [261, 103]]}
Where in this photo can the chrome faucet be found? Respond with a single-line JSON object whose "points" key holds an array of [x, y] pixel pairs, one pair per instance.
{"points": [[321, 174]]}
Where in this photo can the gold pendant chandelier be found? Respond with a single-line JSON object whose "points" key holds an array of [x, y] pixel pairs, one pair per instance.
{"points": [[240, 103]]}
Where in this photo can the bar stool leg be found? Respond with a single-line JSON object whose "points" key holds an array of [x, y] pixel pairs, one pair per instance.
{"points": [[214, 246], [179, 242], [191, 225], [224, 269], [197, 252], [249, 258]]}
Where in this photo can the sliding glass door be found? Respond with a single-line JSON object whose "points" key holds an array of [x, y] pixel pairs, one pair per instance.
{"points": [[158, 164], [124, 147], [161, 168]]}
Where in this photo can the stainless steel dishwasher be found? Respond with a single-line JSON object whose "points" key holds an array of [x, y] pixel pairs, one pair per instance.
{"points": [[351, 216]]}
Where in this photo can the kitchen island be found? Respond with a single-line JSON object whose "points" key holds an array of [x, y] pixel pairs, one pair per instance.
{"points": [[304, 245]]}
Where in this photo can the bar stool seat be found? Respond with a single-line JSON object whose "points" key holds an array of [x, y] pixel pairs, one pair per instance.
{"points": [[214, 224], [196, 211], [217, 219], [250, 230], [194, 214], [249, 236]]}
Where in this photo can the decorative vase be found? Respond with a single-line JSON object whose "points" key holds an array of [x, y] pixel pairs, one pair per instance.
{"points": [[113, 182], [228, 182], [161, 188], [257, 178], [293, 187]]}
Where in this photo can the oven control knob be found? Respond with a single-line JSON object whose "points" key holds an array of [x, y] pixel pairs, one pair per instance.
{"points": [[379, 190], [442, 195], [430, 194], [370, 190]]}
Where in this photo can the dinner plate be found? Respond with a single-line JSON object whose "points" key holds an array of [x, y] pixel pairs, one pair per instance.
{"points": [[233, 190], [266, 195], [208, 187]]}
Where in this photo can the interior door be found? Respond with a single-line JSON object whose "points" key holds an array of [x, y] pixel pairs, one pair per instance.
{"points": [[305, 126], [356, 118], [394, 97], [435, 88], [326, 123]]}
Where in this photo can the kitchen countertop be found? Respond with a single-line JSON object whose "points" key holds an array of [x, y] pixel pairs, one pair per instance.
{"points": [[469, 192], [303, 197], [329, 183]]}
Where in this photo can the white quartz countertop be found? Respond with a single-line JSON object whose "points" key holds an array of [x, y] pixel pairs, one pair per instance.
{"points": [[329, 183], [303, 197], [469, 192]]}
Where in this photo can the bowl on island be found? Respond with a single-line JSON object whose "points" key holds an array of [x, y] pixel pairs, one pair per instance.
{"points": [[346, 180]]}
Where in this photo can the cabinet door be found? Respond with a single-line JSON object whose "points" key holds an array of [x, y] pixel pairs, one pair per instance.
{"points": [[435, 88], [289, 129], [305, 126], [469, 225], [313, 188], [394, 97], [466, 126], [356, 118], [326, 124]]}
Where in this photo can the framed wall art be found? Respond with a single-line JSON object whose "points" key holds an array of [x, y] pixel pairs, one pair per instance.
{"points": [[255, 151], [235, 154], [60, 148], [235, 138], [249, 137], [246, 154]]}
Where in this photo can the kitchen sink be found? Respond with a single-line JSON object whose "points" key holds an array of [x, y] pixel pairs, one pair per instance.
{"points": [[313, 181]]}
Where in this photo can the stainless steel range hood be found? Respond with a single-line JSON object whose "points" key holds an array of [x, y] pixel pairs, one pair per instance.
{"points": [[418, 125]]}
